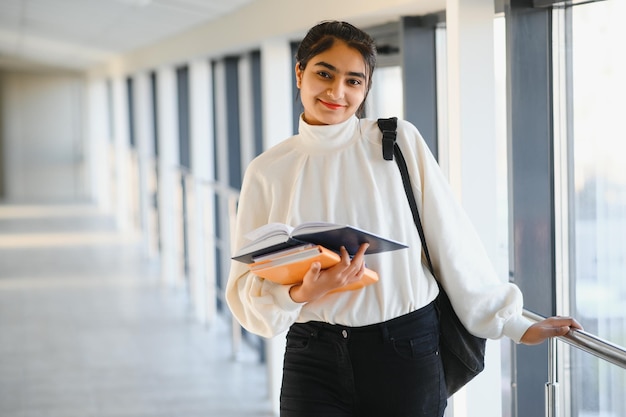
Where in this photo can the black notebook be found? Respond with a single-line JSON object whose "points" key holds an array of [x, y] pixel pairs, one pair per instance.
{"points": [[275, 237]]}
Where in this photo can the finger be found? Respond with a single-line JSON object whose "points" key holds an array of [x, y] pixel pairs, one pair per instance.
{"points": [[345, 256], [558, 331], [358, 260], [351, 264], [362, 249], [359, 256], [354, 275], [361, 271], [576, 325], [564, 321], [555, 328]]}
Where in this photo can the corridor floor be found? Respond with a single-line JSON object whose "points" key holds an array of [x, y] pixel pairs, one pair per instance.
{"points": [[87, 329]]}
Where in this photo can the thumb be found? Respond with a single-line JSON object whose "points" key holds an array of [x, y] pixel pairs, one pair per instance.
{"points": [[313, 273], [561, 331], [314, 270]]}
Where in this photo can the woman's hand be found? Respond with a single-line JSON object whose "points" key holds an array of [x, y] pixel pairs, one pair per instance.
{"points": [[317, 282], [550, 327]]}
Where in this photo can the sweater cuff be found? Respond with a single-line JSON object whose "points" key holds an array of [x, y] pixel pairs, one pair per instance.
{"points": [[515, 327], [284, 300]]}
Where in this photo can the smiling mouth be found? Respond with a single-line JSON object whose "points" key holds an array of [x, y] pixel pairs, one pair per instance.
{"points": [[331, 106]]}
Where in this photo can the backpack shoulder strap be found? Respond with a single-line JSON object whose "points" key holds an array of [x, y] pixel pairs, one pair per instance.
{"points": [[388, 127], [391, 148]]}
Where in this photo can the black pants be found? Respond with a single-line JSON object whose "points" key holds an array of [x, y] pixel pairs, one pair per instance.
{"points": [[383, 370]]}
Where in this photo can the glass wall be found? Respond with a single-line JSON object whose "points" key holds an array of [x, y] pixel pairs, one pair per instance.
{"points": [[598, 226], [502, 261], [386, 97]]}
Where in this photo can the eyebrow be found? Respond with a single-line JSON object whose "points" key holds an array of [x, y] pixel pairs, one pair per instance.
{"points": [[334, 69]]}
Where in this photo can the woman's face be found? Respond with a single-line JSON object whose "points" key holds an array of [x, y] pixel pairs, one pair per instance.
{"points": [[333, 85]]}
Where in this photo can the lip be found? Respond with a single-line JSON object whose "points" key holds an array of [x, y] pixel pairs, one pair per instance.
{"points": [[331, 106]]}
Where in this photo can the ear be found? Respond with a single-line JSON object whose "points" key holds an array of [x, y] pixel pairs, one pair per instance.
{"points": [[299, 73]]}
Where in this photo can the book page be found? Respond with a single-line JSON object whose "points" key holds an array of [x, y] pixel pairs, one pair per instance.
{"points": [[270, 229], [313, 227]]}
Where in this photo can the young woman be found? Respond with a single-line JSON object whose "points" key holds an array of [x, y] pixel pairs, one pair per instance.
{"points": [[372, 351]]}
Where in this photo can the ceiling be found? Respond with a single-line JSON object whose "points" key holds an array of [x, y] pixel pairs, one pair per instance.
{"points": [[80, 34]]}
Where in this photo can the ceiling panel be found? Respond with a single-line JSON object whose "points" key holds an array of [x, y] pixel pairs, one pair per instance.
{"points": [[78, 34]]}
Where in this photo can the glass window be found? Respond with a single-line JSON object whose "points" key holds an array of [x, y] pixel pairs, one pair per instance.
{"points": [[598, 230], [502, 261], [386, 98]]}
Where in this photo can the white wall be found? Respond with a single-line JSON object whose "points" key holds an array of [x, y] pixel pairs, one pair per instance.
{"points": [[42, 137]]}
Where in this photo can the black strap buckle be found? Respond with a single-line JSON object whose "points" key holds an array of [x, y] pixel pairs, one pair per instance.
{"points": [[389, 139], [388, 127]]}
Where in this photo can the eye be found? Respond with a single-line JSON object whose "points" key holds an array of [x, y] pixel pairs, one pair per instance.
{"points": [[354, 82], [323, 74]]}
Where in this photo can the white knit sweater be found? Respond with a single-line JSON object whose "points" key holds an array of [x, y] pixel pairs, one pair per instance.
{"points": [[337, 174]]}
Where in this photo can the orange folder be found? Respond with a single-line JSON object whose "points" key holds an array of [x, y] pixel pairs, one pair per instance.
{"points": [[290, 267]]}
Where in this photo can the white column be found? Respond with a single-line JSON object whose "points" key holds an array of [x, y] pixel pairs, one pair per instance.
{"points": [[97, 147], [221, 122], [276, 76], [472, 161], [202, 280], [145, 153], [167, 119], [221, 158], [246, 111], [121, 153]]}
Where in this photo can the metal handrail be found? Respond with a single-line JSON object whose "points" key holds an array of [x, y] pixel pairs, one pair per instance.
{"points": [[582, 340], [231, 195], [589, 343]]}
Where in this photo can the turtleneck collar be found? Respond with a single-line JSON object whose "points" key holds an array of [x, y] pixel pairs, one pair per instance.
{"points": [[322, 138]]}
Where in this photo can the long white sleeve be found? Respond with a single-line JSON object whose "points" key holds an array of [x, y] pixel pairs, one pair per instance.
{"points": [[485, 305]]}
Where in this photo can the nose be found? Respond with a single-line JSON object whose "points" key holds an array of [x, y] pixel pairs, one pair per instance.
{"points": [[336, 91]]}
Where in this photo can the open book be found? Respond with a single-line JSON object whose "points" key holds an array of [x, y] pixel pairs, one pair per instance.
{"points": [[275, 237]]}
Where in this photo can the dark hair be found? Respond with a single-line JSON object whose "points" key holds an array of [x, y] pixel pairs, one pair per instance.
{"points": [[323, 36]]}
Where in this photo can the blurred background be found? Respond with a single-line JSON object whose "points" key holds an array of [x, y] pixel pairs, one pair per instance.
{"points": [[125, 129]]}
